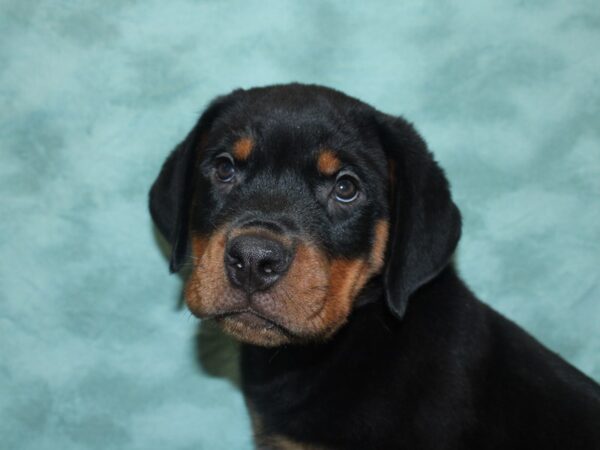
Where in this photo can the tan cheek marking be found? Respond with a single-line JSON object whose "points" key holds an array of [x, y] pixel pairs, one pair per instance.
{"points": [[377, 257], [306, 281], [206, 283], [242, 148], [199, 244], [345, 280], [328, 163], [342, 275], [348, 276], [307, 268]]}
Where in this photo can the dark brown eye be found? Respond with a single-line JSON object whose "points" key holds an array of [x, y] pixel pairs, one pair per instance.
{"points": [[346, 189], [225, 169]]}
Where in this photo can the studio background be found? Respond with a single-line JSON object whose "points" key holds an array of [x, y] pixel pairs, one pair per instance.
{"points": [[95, 350]]}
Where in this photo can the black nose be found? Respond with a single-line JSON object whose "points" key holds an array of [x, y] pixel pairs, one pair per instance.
{"points": [[255, 263]]}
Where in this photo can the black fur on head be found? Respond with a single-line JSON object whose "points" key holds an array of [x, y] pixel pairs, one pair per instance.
{"points": [[424, 223]]}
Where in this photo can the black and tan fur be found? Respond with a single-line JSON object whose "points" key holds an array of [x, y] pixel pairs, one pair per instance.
{"points": [[357, 331]]}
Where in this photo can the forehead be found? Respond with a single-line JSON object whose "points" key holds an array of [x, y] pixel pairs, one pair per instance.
{"points": [[294, 130]]}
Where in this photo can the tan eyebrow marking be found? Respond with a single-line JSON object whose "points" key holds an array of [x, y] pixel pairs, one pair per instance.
{"points": [[328, 163], [242, 148]]}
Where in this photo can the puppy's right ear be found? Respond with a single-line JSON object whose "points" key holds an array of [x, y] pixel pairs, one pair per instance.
{"points": [[172, 192]]}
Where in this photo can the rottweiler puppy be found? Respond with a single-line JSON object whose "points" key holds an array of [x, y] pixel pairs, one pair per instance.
{"points": [[320, 232]]}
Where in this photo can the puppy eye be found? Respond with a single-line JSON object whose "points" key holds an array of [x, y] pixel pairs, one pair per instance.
{"points": [[346, 189], [224, 168]]}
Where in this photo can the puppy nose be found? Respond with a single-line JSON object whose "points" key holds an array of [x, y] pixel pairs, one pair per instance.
{"points": [[255, 263]]}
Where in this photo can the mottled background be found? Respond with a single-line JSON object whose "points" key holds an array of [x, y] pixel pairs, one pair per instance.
{"points": [[95, 351]]}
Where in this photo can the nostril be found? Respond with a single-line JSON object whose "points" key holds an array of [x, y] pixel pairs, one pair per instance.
{"points": [[275, 265], [234, 261]]}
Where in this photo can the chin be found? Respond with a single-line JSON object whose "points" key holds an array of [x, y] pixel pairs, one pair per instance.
{"points": [[249, 328]]}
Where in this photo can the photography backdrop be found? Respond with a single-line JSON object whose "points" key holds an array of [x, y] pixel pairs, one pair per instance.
{"points": [[96, 351]]}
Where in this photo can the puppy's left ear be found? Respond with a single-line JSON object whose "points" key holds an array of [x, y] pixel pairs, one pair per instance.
{"points": [[172, 192], [426, 223]]}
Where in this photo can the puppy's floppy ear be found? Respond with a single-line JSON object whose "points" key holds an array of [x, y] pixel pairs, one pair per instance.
{"points": [[172, 192], [426, 223]]}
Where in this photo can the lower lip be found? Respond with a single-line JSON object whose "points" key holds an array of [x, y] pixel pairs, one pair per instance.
{"points": [[255, 322], [251, 320]]}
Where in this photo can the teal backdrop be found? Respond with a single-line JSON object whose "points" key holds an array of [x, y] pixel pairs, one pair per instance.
{"points": [[96, 351]]}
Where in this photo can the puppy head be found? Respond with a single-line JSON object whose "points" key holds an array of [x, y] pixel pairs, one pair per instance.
{"points": [[287, 200]]}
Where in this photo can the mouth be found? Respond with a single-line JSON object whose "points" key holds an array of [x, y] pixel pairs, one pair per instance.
{"points": [[309, 301], [250, 319]]}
